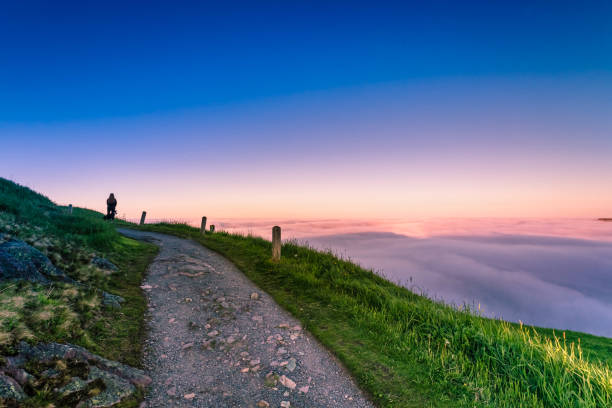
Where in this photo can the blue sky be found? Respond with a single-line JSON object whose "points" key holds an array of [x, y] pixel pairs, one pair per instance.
{"points": [[434, 108], [79, 60]]}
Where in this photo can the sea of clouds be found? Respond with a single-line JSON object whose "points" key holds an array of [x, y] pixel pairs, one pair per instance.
{"points": [[546, 272], [564, 283]]}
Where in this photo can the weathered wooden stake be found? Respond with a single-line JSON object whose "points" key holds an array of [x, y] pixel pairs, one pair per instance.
{"points": [[142, 217], [69, 208], [212, 228], [276, 243], [203, 227]]}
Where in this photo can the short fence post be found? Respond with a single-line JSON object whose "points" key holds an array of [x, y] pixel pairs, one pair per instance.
{"points": [[203, 227], [212, 228], [142, 217], [276, 243], [69, 208]]}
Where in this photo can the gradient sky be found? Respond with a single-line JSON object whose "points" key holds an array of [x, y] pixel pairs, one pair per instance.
{"points": [[311, 109]]}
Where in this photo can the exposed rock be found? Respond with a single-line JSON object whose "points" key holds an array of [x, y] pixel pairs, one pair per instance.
{"points": [[79, 378], [287, 382], [263, 404], [21, 261], [78, 390], [133, 375], [48, 353], [291, 364], [112, 300], [285, 404], [20, 375], [116, 390], [10, 391], [104, 263]]}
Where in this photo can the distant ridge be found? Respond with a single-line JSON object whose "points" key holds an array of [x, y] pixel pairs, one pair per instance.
{"points": [[604, 219]]}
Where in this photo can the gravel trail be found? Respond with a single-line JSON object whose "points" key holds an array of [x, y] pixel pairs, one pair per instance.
{"points": [[216, 340]]}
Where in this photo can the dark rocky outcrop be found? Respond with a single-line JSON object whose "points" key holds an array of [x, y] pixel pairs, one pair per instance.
{"points": [[76, 377], [20, 261], [111, 300], [104, 263], [11, 392]]}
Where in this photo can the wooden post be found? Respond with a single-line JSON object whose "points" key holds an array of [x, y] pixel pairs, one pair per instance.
{"points": [[276, 243], [203, 227], [212, 228], [69, 208], [142, 217]]}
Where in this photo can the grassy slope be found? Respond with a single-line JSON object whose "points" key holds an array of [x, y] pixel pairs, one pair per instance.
{"points": [[408, 351], [63, 312]]}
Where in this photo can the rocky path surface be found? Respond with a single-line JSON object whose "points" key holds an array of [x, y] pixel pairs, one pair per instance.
{"points": [[216, 340]]}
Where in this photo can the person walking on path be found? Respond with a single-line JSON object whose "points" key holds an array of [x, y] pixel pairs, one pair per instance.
{"points": [[111, 205]]}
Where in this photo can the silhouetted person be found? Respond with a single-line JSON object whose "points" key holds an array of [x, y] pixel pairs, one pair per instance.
{"points": [[111, 205]]}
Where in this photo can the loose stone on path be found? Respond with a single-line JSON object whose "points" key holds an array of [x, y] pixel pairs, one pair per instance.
{"points": [[216, 340]]}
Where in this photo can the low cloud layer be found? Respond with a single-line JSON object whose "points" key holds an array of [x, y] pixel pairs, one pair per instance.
{"points": [[563, 283]]}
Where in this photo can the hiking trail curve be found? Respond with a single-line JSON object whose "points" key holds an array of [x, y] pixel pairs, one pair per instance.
{"points": [[216, 340]]}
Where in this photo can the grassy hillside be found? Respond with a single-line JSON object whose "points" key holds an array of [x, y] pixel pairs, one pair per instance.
{"points": [[408, 351], [64, 312]]}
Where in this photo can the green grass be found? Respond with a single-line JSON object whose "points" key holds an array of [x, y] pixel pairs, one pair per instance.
{"points": [[68, 313], [409, 351]]}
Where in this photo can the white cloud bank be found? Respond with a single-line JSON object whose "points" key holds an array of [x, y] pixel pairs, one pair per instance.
{"points": [[563, 283]]}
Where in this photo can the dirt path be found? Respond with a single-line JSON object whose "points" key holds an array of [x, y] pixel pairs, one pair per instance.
{"points": [[216, 340]]}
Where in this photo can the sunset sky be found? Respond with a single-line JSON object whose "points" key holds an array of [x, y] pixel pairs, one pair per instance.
{"points": [[311, 110]]}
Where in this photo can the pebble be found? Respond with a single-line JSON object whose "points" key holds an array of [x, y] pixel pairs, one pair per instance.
{"points": [[291, 364], [210, 335], [287, 382]]}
